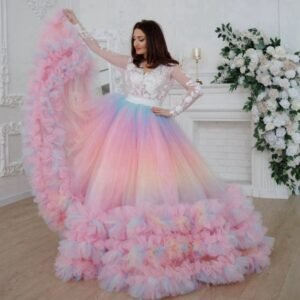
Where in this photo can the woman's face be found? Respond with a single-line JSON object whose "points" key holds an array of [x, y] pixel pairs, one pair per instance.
{"points": [[139, 42]]}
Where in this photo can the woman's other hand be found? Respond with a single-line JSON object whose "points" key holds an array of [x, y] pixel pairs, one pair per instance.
{"points": [[161, 111]]}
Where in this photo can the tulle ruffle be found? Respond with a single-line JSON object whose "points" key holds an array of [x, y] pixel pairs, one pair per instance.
{"points": [[62, 71], [161, 250]]}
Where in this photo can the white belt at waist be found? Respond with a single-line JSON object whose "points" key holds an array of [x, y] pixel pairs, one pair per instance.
{"points": [[142, 100]]}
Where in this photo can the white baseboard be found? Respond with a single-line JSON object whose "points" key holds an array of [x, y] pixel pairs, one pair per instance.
{"points": [[14, 198], [271, 194]]}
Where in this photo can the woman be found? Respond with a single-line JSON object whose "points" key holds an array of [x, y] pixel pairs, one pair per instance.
{"points": [[134, 202]]}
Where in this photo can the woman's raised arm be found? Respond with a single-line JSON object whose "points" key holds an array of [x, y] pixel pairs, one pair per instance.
{"points": [[114, 58]]}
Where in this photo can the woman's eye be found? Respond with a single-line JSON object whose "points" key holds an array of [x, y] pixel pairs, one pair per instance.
{"points": [[138, 40]]}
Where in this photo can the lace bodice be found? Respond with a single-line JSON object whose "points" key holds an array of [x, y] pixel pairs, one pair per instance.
{"points": [[153, 84]]}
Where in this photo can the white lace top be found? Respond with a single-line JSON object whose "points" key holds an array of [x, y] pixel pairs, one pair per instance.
{"points": [[154, 83]]}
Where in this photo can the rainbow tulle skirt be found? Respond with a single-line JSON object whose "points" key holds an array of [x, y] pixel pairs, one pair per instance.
{"points": [[153, 218]]}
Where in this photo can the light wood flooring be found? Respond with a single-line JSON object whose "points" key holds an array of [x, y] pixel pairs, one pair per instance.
{"points": [[28, 250]]}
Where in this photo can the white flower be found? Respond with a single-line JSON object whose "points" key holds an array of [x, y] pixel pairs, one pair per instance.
{"points": [[279, 52], [273, 93], [261, 96], [284, 103], [254, 58], [290, 74], [294, 58], [259, 53], [239, 61], [254, 110], [293, 83], [241, 80], [270, 50], [296, 137], [252, 67], [263, 68], [280, 119], [296, 104], [284, 95], [231, 54], [243, 69], [297, 160], [289, 65], [284, 82], [292, 149], [268, 119], [292, 127], [293, 92], [232, 66], [270, 126], [270, 137], [275, 67], [255, 113], [255, 118], [262, 107], [294, 162], [280, 144], [250, 52], [280, 132], [264, 79], [271, 104], [276, 80]]}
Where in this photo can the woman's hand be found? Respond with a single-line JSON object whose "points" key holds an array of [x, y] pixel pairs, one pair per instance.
{"points": [[161, 111], [87, 38], [70, 15]]}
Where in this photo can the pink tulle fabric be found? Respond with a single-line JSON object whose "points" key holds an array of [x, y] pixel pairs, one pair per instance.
{"points": [[62, 70], [134, 203]]}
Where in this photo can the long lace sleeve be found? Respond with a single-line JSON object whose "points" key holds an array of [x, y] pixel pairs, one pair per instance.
{"points": [[194, 90], [114, 58]]}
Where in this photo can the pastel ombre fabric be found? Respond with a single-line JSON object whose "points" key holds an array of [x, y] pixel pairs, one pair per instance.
{"points": [[133, 201], [62, 70]]}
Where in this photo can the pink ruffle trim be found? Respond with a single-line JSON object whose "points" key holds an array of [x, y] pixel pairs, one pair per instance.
{"points": [[158, 251], [62, 58]]}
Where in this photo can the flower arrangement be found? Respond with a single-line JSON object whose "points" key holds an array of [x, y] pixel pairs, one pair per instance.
{"points": [[272, 75]]}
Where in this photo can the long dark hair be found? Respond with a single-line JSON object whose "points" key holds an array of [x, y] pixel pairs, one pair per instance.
{"points": [[157, 50]]}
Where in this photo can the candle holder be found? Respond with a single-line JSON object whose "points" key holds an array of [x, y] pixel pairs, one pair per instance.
{"points": [[197, 57]]}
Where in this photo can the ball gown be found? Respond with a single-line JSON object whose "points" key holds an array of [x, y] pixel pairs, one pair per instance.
{"points": [[134, 203]]}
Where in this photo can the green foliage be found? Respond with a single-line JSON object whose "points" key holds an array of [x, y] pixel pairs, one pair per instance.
{"points": [[238, 46]]}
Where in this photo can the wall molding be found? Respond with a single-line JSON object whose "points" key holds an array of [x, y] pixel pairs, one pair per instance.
{"points": [[211, 88], [5, 98], [41, 7], [8, 168]]}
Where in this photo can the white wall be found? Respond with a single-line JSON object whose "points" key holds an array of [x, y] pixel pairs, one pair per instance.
{"points": [[191, 23], [186, 24]]}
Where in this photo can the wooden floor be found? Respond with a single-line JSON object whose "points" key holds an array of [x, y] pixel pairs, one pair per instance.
{"points": [[28, 250]]}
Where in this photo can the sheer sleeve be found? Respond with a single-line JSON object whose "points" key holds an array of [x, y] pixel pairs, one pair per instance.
{"points": [[114, 58], [194, 90]]}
